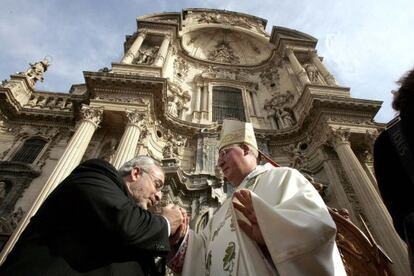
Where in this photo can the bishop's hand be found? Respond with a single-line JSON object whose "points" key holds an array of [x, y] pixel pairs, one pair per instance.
{"points": [[182, 229], [246, 208]]}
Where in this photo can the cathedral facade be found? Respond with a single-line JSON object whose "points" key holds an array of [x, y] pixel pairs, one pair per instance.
{"points": [[182, 74]]}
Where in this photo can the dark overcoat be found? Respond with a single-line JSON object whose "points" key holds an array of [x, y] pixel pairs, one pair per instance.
{"points": [[90, 225]]}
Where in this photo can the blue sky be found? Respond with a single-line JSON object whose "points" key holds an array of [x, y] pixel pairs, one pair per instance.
{"points": [[366, 44]]}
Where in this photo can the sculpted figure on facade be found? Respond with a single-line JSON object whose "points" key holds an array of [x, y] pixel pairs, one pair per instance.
{"points": [[108, 149], [147, 55], [177, 100], [312, 73], [279, 114], [37, 70], [284, 117]]}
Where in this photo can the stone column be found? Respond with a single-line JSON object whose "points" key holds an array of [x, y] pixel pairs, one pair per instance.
{"points": [[298, 69], [162, 52], [335, 185], [210, 100], [205, 103], [371, 203], [133, 50], [91, 117], [329, 78], [129, 141], [255, 103]]}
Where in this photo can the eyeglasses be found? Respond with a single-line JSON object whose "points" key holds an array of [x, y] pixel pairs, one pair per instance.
{"points": [[158, 183], [223, 152]]}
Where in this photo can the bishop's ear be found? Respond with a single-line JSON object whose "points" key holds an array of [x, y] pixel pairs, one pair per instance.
{"points": [[135, 173]]}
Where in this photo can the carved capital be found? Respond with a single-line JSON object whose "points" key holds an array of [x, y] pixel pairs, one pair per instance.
{"points": [[289, 51], [91, 114], [134, 117], [339, 136], [167, 37], [143, 33], [312, 53]]}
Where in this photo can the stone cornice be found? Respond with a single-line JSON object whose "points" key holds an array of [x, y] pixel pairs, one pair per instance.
{"points": [[316, 110], [281, 37], [13, 109]]}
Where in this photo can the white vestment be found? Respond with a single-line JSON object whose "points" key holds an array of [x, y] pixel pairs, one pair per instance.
{"points": [[296, 226]]}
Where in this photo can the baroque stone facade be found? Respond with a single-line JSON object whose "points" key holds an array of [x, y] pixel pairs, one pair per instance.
{"points": [[180, 76]]}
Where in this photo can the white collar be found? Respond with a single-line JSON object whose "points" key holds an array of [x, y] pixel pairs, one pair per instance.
{"points": [[258, 170]]}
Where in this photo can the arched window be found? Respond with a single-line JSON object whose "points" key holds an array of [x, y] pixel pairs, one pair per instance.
{"points": [[227, 103], [29, 151]]}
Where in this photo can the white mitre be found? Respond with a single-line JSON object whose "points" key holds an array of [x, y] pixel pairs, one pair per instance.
{"points": [[237, 132]]}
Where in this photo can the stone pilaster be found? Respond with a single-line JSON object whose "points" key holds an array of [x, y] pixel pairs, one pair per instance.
{"points": [[91, 117], [133, 50], [255, 103], [298, 69], [129, 141], [197, 103], [370, 201], [162, 53], [329, 78]]}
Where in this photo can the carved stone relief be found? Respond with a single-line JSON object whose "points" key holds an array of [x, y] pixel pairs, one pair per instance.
{"points": [[228, 19], [180, 68], [177, 100], [173, 145], [223, 53], [271, 78]]}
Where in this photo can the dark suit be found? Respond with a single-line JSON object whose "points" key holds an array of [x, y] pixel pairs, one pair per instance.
{"points": [[89, 225]]}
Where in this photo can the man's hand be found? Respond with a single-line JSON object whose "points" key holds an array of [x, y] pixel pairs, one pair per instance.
{"points": [[182, 229], [174, 216], [246, 207]]}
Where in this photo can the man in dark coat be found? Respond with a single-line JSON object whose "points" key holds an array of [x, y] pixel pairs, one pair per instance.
{"points": [[393, 166], [96, 223]]}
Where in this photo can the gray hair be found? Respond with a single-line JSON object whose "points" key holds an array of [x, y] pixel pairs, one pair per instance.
{"points": [[143, 162]]}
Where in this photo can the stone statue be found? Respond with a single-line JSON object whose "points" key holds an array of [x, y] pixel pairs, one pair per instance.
{"points": [[173, 104], [37, 70], [312, 73], [147, 56], [286, 118], [271, 116]]}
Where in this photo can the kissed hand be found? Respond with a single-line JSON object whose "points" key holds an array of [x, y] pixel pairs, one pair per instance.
{"points": [[182, 229], [174, 216]]}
